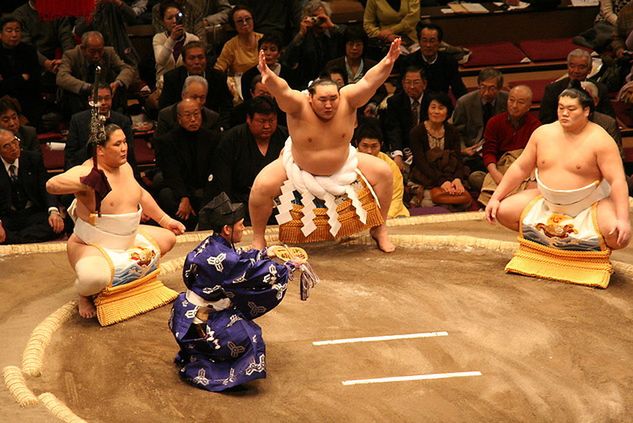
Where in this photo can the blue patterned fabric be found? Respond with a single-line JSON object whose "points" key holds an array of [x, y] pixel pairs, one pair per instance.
{"points": [[228, 349]]}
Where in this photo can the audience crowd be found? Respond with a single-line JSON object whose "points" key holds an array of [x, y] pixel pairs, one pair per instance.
{"points": [[216, 125]]}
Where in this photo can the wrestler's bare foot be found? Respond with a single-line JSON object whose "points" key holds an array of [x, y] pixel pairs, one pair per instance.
{"points": [[86, 307], [380, 235]]}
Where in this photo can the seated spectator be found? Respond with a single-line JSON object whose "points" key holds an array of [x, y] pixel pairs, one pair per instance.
{"points": [[440, 68], [368, 139], [47, 36], [77, 148], [195, 63], [318, 41], [405, 110], [238, 114], [271, 45], [384, 20], [186, 157], [19, 69], [274, 17], [437, 173], [505, 137], [578, 68], [246, 149], [27, 212], [338, 75], [623, 27], [10, 120], [111, 18], [77, 72], [607, 122], [168, 44], [240, 53], [472, 113], [193, 18], [196, 89], [353, 62], [216, 12]]}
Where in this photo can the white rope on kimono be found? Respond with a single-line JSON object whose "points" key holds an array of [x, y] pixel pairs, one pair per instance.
{"points": [[326, 188]]}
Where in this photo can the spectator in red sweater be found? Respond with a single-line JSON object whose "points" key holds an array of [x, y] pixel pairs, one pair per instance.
{"points": [[505, 137]]}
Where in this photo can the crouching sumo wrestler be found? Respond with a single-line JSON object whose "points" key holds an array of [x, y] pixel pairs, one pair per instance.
{"points": [[220, 346], [109, 248], [580, 211], [319, 163]]}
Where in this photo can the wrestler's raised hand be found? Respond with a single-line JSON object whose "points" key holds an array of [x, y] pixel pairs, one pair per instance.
{"points": [[262, 66], [491, 210], [394, 51], [623, 229]]}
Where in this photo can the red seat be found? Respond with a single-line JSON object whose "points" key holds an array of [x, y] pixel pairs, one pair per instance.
{"points": [[53, 159], [548, 50], [143, 152], [494, 54]]}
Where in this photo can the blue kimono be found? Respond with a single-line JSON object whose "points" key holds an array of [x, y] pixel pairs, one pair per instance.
{"points": [[226, 348]]}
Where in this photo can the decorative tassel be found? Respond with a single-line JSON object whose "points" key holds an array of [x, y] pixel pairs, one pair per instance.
{"points": [[116, 304]]}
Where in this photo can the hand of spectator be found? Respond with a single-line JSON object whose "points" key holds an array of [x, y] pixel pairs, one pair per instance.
{"points": [[371, 110], [26, 76], [114, 86], [491, 210], [448, 187], [496, 175], [305, 24], [177, 31], [394, 51], [386, 35], [325, 21], [473, 149], [185, 211], [3, 234], [398, 160], [56, 222], [623, 228], [51, 65], [458, 186]]}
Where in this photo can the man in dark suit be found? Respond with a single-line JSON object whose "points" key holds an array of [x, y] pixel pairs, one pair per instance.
{"points": [[247, 148], [195, 63], [77, 150], [10, 120], [578, 68], [405, 110], [195, 88], [27, 212], [19, 69], [440, 68], [186, 157], [472, 112]]}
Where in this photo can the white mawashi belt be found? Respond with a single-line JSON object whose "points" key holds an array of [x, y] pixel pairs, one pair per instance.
{"points": [[325, 188]]}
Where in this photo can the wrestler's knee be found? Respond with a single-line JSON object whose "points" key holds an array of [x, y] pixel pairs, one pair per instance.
{"points": [[508, 216], [166, 241], [93, 275]]}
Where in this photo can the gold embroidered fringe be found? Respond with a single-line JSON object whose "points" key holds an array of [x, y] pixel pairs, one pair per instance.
{"points": [[590, 268], [350, 224], [117, 303]]}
